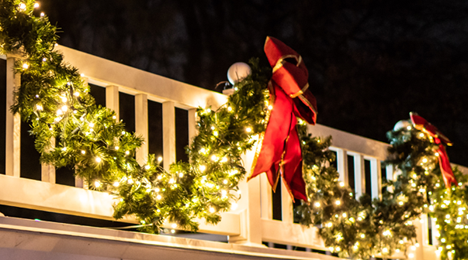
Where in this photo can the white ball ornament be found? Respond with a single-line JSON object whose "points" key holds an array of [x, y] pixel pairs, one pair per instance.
{"points": [[238, 71], [402, 124]]}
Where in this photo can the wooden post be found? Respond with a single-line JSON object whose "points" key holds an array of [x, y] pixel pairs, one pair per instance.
{"points": [[13, 123], [169, 144]]}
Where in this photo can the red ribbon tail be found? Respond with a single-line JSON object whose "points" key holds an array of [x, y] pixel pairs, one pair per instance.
{"points": [[445, 167], [292, 165]]}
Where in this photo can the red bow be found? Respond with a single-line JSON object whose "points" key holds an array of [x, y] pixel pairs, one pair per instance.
{"points": [[280, 152], [440, 139]]}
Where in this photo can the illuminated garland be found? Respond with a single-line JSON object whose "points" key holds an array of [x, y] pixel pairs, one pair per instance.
{"points": [[57, 104]]}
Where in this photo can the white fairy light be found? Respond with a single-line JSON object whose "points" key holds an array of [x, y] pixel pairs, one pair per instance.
{"points": [[98, 159], [202, 168], [212, 210], [97, 184], [160, 159], [248, 129]]}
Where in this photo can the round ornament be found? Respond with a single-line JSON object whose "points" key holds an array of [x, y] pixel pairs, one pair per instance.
{"points": [[238, 71], [402, 124]]}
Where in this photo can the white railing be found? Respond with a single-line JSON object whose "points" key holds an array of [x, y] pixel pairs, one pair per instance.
{"points": [[250, 224]]}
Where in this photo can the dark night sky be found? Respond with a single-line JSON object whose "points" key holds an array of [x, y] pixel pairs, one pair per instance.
{"points": [[370, 62]]}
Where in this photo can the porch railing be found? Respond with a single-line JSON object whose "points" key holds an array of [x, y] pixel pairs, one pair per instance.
{"points": [[358, 161]]}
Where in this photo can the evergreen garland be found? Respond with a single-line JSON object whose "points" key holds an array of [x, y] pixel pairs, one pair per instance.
{"points": [[71, 130]]}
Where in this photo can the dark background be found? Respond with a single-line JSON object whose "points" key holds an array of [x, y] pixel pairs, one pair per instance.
{"points": [[370, 62]]}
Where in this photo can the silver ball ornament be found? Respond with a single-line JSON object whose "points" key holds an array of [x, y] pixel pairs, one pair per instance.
{"points": [[402, 124], [238, 71]]}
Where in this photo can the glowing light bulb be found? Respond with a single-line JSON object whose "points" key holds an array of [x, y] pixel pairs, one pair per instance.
{"points": [[214, 158], [97, 184], [408, 127], [363, 236], [36, 5], [202, 168], [212, 210], [42, 14], [329, 224], [76, 94], [338, 202], [147, 167], [160, 159], [234, 206], [181, 175], [248, 129], [127, 152], [39, 107], [98, 159], [116, 184], [317, 204], [229, 109], [64, 99], [158, 197], [116, 148], [22, 7], [270, 107], [91, 125], [385, 250], [225, 181], [342, 184], [83, 152]]}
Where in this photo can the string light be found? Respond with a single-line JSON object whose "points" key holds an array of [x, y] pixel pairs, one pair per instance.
{"points": [[160, 159], [83, 152], [22, 7], [317, 204], [248, 129], [202, 168], [42, 14], [337, 202], [98, 159], [97, 184]]}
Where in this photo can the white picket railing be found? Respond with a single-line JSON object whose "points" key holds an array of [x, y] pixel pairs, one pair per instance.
{"points": [[250, 224]]}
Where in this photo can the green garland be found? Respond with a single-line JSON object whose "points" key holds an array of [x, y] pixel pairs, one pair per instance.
{"points": [[56, 102]]}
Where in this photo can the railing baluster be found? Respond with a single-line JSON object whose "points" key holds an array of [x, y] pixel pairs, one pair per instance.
{"points": [[376, 179], [342, 162], [286, 204], [192, 124], [169, 145], [359, 175], [112, 99], [13, 123], [266, 199], [141, 126], [48, 170]]}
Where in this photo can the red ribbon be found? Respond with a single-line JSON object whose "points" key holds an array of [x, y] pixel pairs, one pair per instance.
{"points": [[440, 139], [280, 152]]}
